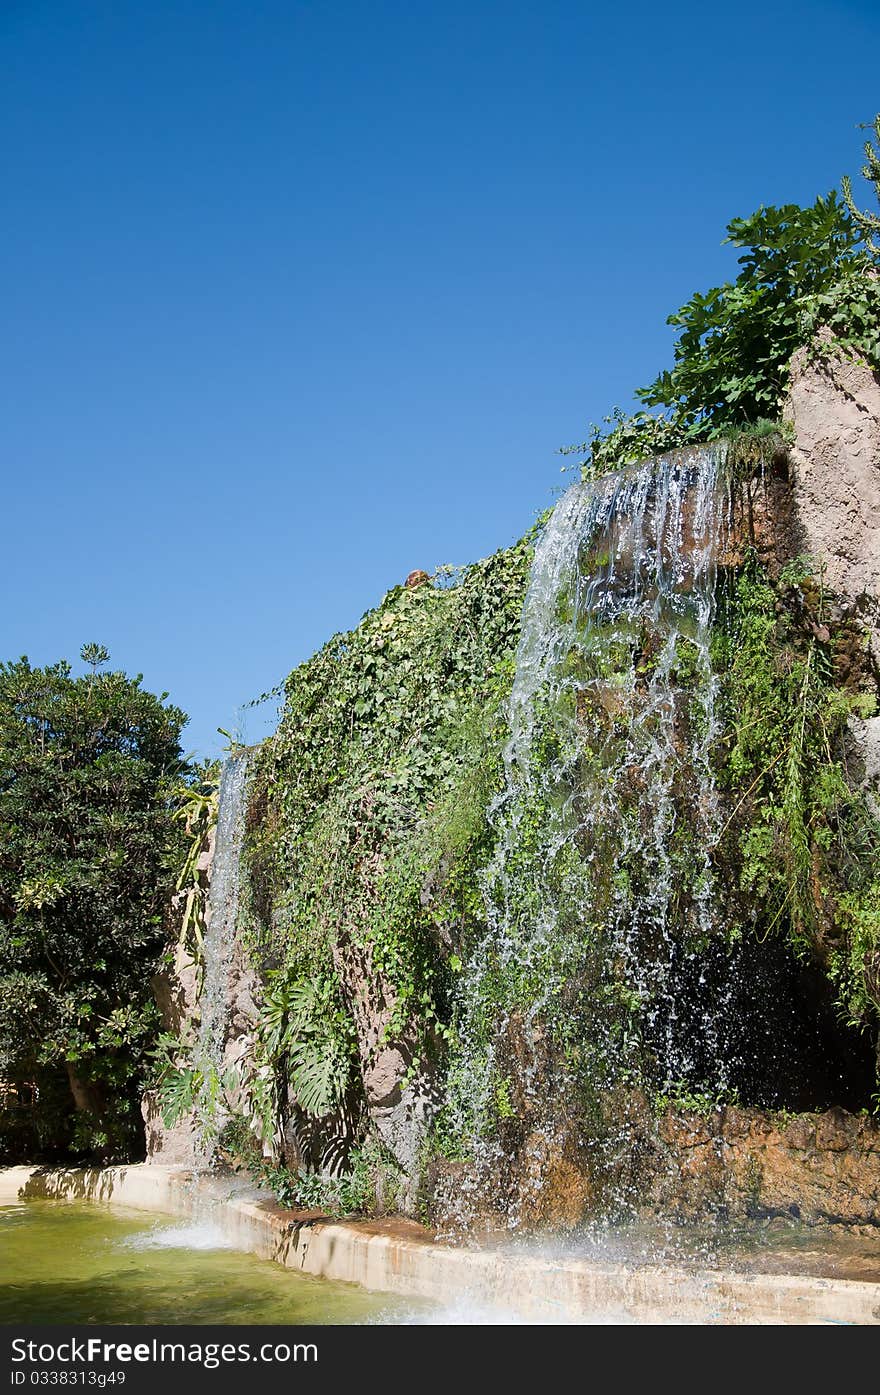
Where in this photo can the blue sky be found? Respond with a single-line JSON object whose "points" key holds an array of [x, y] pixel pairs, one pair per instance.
{"points": [[300, 296]]}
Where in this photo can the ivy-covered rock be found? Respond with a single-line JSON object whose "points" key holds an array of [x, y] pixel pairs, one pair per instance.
{"points": [[367, 827]]}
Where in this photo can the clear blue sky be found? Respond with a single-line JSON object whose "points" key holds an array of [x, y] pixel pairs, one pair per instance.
{"points": [[300, 296]]}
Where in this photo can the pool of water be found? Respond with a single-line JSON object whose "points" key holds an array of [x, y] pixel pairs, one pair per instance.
{"points": [[69, 1262], [89, 1263]]}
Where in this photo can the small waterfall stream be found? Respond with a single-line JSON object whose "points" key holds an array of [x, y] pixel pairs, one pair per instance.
{"points": [[219, 942], [602, 878]]}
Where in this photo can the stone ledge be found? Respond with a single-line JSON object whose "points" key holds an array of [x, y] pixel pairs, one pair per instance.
{"points": [[383, 1259]]}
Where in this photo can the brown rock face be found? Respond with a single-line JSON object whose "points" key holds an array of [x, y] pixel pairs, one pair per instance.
{"points": [[383, 1079], [399, 1099], [820, 1167], [737, 1163], [538, 1169], [175, 1146], [176, 991], [555, 1191], [835, 409]]}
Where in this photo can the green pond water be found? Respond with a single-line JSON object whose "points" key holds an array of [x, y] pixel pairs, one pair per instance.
{"points": [[88, 1263], [66, 1262]]}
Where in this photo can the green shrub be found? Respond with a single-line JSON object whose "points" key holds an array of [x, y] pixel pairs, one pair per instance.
{"points": [[88, 850]]}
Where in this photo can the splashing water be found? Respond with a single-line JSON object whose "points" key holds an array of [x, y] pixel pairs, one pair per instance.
{"points": [[194, 1235], [601, 885]]}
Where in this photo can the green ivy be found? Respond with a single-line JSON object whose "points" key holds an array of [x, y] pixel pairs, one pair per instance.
{"points": [[368, 819], [800, 841]]}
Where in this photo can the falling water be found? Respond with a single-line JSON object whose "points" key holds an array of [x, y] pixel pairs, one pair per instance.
{"points": [[219, 944], [601, 885]]}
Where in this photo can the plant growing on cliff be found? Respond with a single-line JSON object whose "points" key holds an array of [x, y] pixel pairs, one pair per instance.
{"points": [[368, 818], [868, 224], [306, 1035], [88, 769], [804, 842], [369, 1184], [802, 270], [196, 813], [624, 440]]}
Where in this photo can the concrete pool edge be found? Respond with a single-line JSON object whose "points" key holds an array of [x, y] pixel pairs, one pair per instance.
{"points": [[397, 1258]]}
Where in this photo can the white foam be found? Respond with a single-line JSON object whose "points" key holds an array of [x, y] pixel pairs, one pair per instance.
{"points": [[192, 1235], [466, 1312]]}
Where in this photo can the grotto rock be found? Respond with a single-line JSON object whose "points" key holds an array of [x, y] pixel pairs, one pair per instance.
{"points": [[384, 1078], [834, 406], [746, 1163], [399, 1100], [174, 1146], [864, 760]]}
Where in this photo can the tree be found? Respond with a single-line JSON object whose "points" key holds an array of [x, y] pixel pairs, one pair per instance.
{"points": [[87, 852], [801, 268]]}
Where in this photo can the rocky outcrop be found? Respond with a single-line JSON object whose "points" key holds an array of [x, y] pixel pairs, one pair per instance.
{"points": [[733, 1164], [745, 1163], [864, 763], [834, 407], [398, 1092], [176, 991], [174, 1146]]}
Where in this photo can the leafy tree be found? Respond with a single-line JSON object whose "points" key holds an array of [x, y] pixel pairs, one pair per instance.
{"points": [[87, 845], [801, 270]]}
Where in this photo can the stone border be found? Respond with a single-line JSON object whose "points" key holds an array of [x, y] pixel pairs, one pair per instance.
{"points": [[396, 1257]]}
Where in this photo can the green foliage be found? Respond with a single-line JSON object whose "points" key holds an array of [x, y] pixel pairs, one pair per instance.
{"points": [[196, 811], [180, 1085], [503, 1105], [855, 965], [88, 769], [307, 1036], [369, 843], [369, 1186], [800, 270], [95, 655], [624, 440], [368, 820], [803, 843], [679, 1095], [868, 224], [804, 282], [304, 1044]]}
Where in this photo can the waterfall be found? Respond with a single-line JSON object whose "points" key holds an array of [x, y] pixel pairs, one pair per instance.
{"points": [[600, 891], [219, 943]]}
